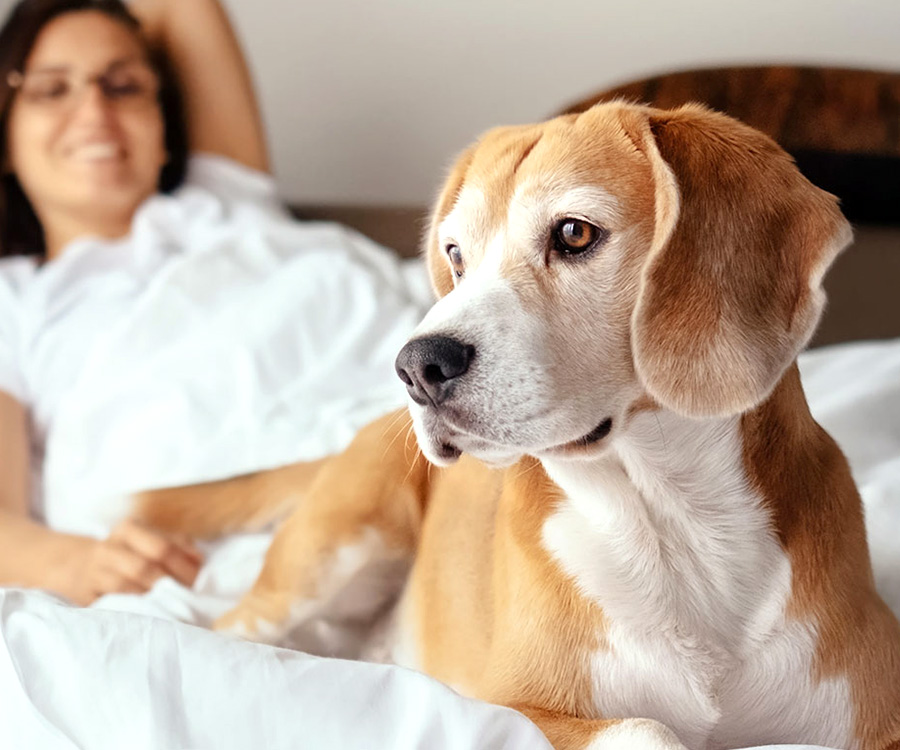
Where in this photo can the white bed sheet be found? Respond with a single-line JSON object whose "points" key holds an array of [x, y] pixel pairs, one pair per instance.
{"points": [[101, 680], [134, 671]]}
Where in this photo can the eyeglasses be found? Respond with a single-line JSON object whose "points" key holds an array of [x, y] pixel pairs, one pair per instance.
{"points": [[124, 85]]}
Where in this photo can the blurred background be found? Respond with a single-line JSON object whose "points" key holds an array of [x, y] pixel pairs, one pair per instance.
{"points": [[367, 102]]}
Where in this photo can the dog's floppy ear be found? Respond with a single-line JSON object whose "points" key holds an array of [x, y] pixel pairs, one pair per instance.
{"points": [[438, 267], [731, 289]]}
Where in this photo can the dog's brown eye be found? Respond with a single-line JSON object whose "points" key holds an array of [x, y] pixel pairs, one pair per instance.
{"points": [[574, 236], [456, 260]]}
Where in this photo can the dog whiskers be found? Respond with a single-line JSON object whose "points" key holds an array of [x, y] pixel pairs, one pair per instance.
{"points": [[412, 465], [393, 421], [410, 433], [523, 472], [396, 435]]}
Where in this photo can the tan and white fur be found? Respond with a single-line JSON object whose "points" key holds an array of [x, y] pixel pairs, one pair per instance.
{"points": [[674, 554]]}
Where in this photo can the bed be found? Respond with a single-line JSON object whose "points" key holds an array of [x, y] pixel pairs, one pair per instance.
{"points": [[145, 672]]}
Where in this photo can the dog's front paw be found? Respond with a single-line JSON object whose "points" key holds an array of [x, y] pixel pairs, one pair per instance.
{"points": [[245, 623], [636, 734]]}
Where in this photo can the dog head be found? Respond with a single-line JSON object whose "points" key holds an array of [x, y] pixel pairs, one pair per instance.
{"points": [[591, 261]]}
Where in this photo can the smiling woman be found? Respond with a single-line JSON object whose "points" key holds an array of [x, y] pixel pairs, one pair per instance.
{"points": [[92, 131], [85, 134]]}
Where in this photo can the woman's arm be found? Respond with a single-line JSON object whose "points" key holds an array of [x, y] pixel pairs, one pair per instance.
{"points": [[14, 461], [222, 113], [30, 554], [78, 567]]}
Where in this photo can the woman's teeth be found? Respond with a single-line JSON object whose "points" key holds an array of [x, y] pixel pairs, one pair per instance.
{"points": [[97, 152]]}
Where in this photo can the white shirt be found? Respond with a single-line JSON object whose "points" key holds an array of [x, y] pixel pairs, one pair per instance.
{"points": [[219, 337], [50, 315]]}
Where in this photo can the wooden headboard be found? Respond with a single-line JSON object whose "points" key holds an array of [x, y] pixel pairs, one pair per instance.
{"points": [[803, 108], [843, 128]]}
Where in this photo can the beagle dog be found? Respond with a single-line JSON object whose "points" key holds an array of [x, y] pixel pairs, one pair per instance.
{"points": [[608, 505]]}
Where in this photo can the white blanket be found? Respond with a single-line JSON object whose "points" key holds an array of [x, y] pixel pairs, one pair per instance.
{"points": [[236, 362], [99, 680], [237, 356]]}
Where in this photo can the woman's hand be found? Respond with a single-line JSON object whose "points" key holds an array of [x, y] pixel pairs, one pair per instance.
{"points": [[130, 560], [220, 104]]}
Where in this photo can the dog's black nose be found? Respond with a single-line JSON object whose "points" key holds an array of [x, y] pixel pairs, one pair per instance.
{"points": [[430, 366]]}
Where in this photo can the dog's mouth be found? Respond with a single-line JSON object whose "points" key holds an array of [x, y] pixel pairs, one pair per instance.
{"points": [[447, 450], [594, 436], [585, 442], [444, 441]]}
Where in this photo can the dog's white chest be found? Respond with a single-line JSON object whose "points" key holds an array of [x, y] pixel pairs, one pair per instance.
{"points": [[675, 548]]}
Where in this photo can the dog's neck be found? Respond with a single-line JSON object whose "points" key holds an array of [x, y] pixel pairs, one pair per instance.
{"points": [[673, 537]]}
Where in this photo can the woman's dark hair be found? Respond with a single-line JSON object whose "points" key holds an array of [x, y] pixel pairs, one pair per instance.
{"points": [[20, 230]]}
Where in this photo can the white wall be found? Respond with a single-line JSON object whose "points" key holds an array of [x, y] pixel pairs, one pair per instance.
{"points": [[368, 100]]}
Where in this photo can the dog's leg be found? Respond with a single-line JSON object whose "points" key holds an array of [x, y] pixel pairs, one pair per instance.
{"points": [[363, 510], [567, 732], [211, 509]]}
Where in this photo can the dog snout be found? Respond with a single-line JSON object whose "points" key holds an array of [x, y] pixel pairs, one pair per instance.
{"points": [[431, 366]]}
